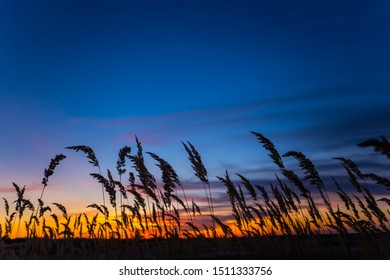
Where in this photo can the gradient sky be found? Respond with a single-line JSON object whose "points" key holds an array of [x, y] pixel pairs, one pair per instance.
{"points": [[312, 76]]}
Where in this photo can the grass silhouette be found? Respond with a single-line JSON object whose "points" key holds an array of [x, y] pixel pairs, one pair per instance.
{"points": [[291, 218]]}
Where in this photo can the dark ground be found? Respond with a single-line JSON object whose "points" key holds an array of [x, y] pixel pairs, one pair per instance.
{"points": [[324, 247]]}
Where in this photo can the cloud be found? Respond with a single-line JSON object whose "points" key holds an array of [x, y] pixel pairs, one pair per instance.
{"points": [[7, 190], [322, 123], [29, 188], [351, 112], [207, 125]]}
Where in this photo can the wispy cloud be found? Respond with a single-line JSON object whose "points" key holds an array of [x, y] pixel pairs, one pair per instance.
{"points": [[323, 124], [29, 188], [349, 112]]}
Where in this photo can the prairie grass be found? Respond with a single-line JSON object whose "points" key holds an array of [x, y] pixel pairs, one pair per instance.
{"points": [[293, 217]]}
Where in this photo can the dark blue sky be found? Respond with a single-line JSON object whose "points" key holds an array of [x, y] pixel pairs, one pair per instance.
{"points": [[310, 75]]}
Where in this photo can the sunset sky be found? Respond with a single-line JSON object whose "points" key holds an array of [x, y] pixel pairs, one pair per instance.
{"points": [[312, 76]]}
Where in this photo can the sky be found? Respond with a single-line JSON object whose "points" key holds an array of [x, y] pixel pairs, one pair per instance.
{"points": [[312, 76]]}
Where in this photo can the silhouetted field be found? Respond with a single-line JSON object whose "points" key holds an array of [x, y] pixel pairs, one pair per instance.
{"points": [[320, 247], [292, 218]]}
